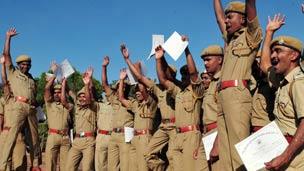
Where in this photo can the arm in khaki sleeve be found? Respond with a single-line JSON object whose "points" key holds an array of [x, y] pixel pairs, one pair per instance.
{"points": [[220, 15], [63, 97], [47, 89], [104, 77], [122, 99], [7, 45]]}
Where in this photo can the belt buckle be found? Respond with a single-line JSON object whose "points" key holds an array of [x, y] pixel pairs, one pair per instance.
{"points": [[178, 130], [81, 134]]}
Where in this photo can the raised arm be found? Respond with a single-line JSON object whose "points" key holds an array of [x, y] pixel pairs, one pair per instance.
{"points": [[7, 45], [273, 25], [50, 82], [3, 71], [219, 14], [122, 77], [141, 78], [63, 99], [87, 79], [251, 10], [190, 62], [104, 78], [160, 67]]}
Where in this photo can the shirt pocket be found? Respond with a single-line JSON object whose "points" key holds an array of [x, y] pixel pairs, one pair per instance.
{"points": [[240, 49], [188, 103], [283, 105]]}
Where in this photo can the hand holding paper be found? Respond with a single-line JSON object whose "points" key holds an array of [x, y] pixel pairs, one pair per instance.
{"points": [[175, 45], [156, 41]]}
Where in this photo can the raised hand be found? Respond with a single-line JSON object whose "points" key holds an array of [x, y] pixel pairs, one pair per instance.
{"points": [[90, 71], [85, 78], [275, 23], [302, 8], [124, 51], [123, 74], [54, 66], [159, 52], [11, 32], [106, 61], [185, 38]]}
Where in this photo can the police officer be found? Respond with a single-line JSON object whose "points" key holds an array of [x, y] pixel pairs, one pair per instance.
{"points": [[188, 101], [23, 88], [83, 146], [58, 119], [281, 56], [213, 58], [104, 124], [242, 35], [119, 150]]}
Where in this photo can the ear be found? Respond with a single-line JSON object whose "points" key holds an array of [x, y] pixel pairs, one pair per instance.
{"points": [[243, 19], [294, 56]]}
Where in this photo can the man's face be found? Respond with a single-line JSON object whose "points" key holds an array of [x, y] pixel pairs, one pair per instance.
{"points": [[82, 99], [206, 79], [57, 95], [234, 21], [212, 63], [24, 67], [281, 58], [185, 77], [139, 92]]}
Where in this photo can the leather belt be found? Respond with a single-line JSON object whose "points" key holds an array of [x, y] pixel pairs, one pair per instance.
{"points": [[85, 134], [187, 128], [63, 132], [142, 132], [104, 132], [211, 126], [118, 130], [170, 120], [232, 83]]}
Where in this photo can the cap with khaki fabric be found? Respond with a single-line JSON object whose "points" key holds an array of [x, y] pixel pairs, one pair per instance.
{"points": [[23, 58], [290, 42], [82, 91], [235, 6], [213, 50], [57, 87]]}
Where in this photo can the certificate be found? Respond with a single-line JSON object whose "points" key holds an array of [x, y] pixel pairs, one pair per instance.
{"points": [[40, 114], [174, 46], [131, 77], [66, 69], [156, 41], [208, 142], [262, 146]]}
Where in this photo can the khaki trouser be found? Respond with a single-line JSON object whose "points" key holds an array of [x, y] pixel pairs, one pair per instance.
{"points": [[224, 150], [56, 144], [215, 165], [18, 159], [118, 153], [141, 143], [82, 150], [237, 114], [101, 152], [160, 138], [186, 145], [19, 112]]}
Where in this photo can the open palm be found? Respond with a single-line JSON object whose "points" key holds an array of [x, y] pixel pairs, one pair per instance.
{"points": [[275, 23]]}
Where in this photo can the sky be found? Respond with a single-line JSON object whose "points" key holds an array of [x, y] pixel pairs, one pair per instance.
{"points": [[84, 31]]}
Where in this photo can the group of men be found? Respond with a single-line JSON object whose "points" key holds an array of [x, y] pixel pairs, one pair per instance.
{"points": [[240, 92]]}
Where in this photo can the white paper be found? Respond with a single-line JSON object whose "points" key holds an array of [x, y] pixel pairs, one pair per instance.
{"points": [[131, 77], [49, 75], [262, 146], [156, 41], [208, 143], [71, 135], [174, 46], [40, 114], [143, 68], [129, 134], [66, 68]]}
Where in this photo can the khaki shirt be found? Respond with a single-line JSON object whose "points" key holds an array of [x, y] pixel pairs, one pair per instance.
{"points": [[240, 52], [21, 84], [289, 110], [104, 116], [166, 103], [210, 105], [188, 103], [86, 117], [144, 113], [58, 116], [263, 104], [121, 117], [6, 107]]}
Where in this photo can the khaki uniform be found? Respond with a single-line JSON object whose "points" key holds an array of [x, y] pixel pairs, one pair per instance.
{"points": [[211, 110], [166, 132], [58, 141], [83, 146], [18, 159], [143, 125], [262, 105], [240, 52], [119, 152], [24, 89], [289, 109], [104, 124], [188, 143]]}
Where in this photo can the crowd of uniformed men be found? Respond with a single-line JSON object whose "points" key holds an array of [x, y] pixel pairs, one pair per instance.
{"points": [[240, 92]]}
